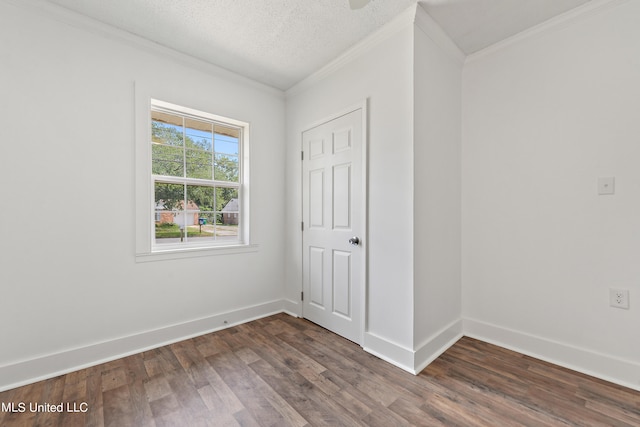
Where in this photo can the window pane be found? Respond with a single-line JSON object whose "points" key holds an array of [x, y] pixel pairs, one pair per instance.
{"points": [[167, 229], [196, 173], [199, 164], [199, 134], [226, 140], [169, 197], [227, 199], [227, 232], [200, 198], [167, 160], [228, 217], [203, 227], [169, 216], [226, 168], [166, 129]]}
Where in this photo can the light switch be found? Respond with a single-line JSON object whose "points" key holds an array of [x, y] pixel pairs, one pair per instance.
{"points": [[606, 185]]}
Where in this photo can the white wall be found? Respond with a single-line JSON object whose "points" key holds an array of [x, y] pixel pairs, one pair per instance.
{"points": [[543, 119], [383, 75], [69, 277], [412, 81], [437, 178]]}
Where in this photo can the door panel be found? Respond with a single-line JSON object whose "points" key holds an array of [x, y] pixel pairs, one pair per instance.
{"points": [[341, 140], [333, 207], [342, 283], [316, 198], [316, 148], [316, 276], [342, 197]]}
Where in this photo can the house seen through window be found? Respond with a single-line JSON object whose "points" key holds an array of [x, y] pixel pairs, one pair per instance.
{"points": [[197, 180]]}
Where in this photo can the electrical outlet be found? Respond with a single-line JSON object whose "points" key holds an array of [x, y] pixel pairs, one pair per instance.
{"points": [[619, 298], [607, 185]]}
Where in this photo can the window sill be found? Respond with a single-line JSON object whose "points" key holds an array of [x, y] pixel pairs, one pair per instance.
{"points": [[170, 254]]}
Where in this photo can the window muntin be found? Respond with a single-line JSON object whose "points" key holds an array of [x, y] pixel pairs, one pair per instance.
{"points": [[196, 175]]}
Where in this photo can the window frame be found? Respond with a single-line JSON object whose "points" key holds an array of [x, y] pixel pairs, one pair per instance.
{"points": [[146, 247]]}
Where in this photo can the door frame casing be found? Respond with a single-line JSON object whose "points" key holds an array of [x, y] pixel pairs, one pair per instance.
{"points": [[363, 105]]}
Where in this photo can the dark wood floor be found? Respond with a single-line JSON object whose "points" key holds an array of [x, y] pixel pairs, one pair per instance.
{"points": [[281, 371]]}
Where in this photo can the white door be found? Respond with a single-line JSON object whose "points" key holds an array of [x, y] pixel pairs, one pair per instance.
{"points": [[333, 225]]}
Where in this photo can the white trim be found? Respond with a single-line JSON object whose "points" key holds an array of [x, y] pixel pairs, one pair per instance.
{"points": [[609, 368], [147, 97], [560, 21], [193, 252], [293, 308], [365, 216], [363, 105], [170, 108], [425, 22], [400, 22], [343, 112], [437, 344], [410, 360], [24, 372], [389, 351], [413, 15], [142, 165], [605, 367], [93, 26]]}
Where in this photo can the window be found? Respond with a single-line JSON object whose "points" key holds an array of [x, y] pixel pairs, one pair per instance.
{"points": [[195, 173]]}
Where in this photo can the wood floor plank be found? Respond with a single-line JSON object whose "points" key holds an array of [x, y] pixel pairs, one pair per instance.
{"points": [[23, 395], [93, 398], [247, 388], [384, 418], [191, 361], [118, 410], [503, 389], [608, 393], [502, 409], [245, 419], [319, 409], [75, 389], [227, 396], [187, 395], [285, 371]]}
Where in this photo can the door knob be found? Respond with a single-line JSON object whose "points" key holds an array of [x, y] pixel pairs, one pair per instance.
{"points": [[355, 241]]}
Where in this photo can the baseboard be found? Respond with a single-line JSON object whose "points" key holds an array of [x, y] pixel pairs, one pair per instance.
{"points": [[292, 307], [52, 365], [608, 368], [410, 360], [619, 371], [437, 344], [389, 351]]}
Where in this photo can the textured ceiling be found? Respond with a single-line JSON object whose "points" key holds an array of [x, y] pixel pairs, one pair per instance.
{"points": [[476, 24], [280, 42]]}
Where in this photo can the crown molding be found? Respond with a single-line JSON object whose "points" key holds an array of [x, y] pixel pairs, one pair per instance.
{"points": [[76, 20], [430, 27], [400, 22], [414, 15], [594, 7]]}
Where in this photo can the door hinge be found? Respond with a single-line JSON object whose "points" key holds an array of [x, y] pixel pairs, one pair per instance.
{"points": [[301, 296], [302, 226], [302, 155]]}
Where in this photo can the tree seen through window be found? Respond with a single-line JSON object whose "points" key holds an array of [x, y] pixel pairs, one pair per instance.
{"points": [[196, 168]]}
